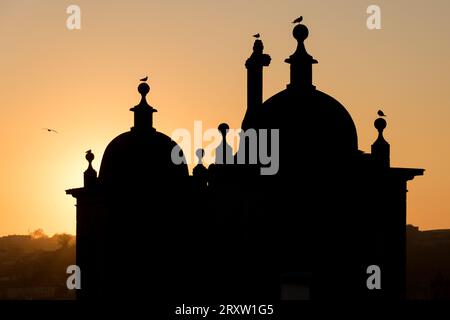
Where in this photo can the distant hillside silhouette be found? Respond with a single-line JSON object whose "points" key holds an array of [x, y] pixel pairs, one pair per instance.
{"points": [[428, 264], [34, 266]]}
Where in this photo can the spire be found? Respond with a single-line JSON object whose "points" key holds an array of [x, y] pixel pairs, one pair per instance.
{"points": [[143, 112], [90, 175], [381, 148], [301, 62]]}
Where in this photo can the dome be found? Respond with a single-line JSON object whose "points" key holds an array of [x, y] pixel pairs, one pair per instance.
{"points": [[311, 119], [314, 127], [140, 158]]}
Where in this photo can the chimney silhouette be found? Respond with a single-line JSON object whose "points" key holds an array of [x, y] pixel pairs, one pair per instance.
{"points": [[254, 65]]}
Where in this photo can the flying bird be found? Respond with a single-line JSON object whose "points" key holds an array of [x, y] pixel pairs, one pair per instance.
{"points": [[381, 113], [50, 130], [144, 79], [298, 20], [257, 35]]}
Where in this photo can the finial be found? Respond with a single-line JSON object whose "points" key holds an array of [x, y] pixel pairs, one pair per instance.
{"points": [[143, 89], [257, 36], [200, 172], [89, 156], [200, 153], [380, 124], [381, 148], [301, 61], [300, 32], [90, 175], [224, 152], [143, 112], [223, 129]]}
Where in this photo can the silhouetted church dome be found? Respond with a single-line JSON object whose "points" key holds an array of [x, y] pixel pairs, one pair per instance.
{"points": [[310, 121], [142, 156], [313, 118]]}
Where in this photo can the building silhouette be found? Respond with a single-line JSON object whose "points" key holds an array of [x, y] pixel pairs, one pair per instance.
{"points": [[228, 232]]}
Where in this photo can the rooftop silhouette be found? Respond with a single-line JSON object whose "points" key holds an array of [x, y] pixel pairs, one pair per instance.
{"points": [[307, 232]]}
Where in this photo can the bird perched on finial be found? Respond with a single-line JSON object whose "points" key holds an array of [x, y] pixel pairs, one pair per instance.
{"points": [[50, 130], [89, 151], [144, 79], [298, 20], [381, 113], [257, 36]]}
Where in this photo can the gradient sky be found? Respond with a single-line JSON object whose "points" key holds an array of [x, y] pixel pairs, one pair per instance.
{"points": [[83, 82]]}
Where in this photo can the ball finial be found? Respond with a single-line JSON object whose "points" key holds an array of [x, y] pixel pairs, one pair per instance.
{"points": [[380, 124], [300, 32], [223, 128], [144, 88], [89, 156]]}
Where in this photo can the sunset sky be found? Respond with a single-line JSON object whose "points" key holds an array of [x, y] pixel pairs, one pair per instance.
{"points": [[83, 82]]}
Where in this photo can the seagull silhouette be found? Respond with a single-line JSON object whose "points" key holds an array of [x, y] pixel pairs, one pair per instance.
{"points": [[144, 79], [257, 35], [298, 20], [381, 113], [50, 130]]}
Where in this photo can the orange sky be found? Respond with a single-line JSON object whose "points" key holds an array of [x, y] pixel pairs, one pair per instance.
{"points": [[83, 82]]}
